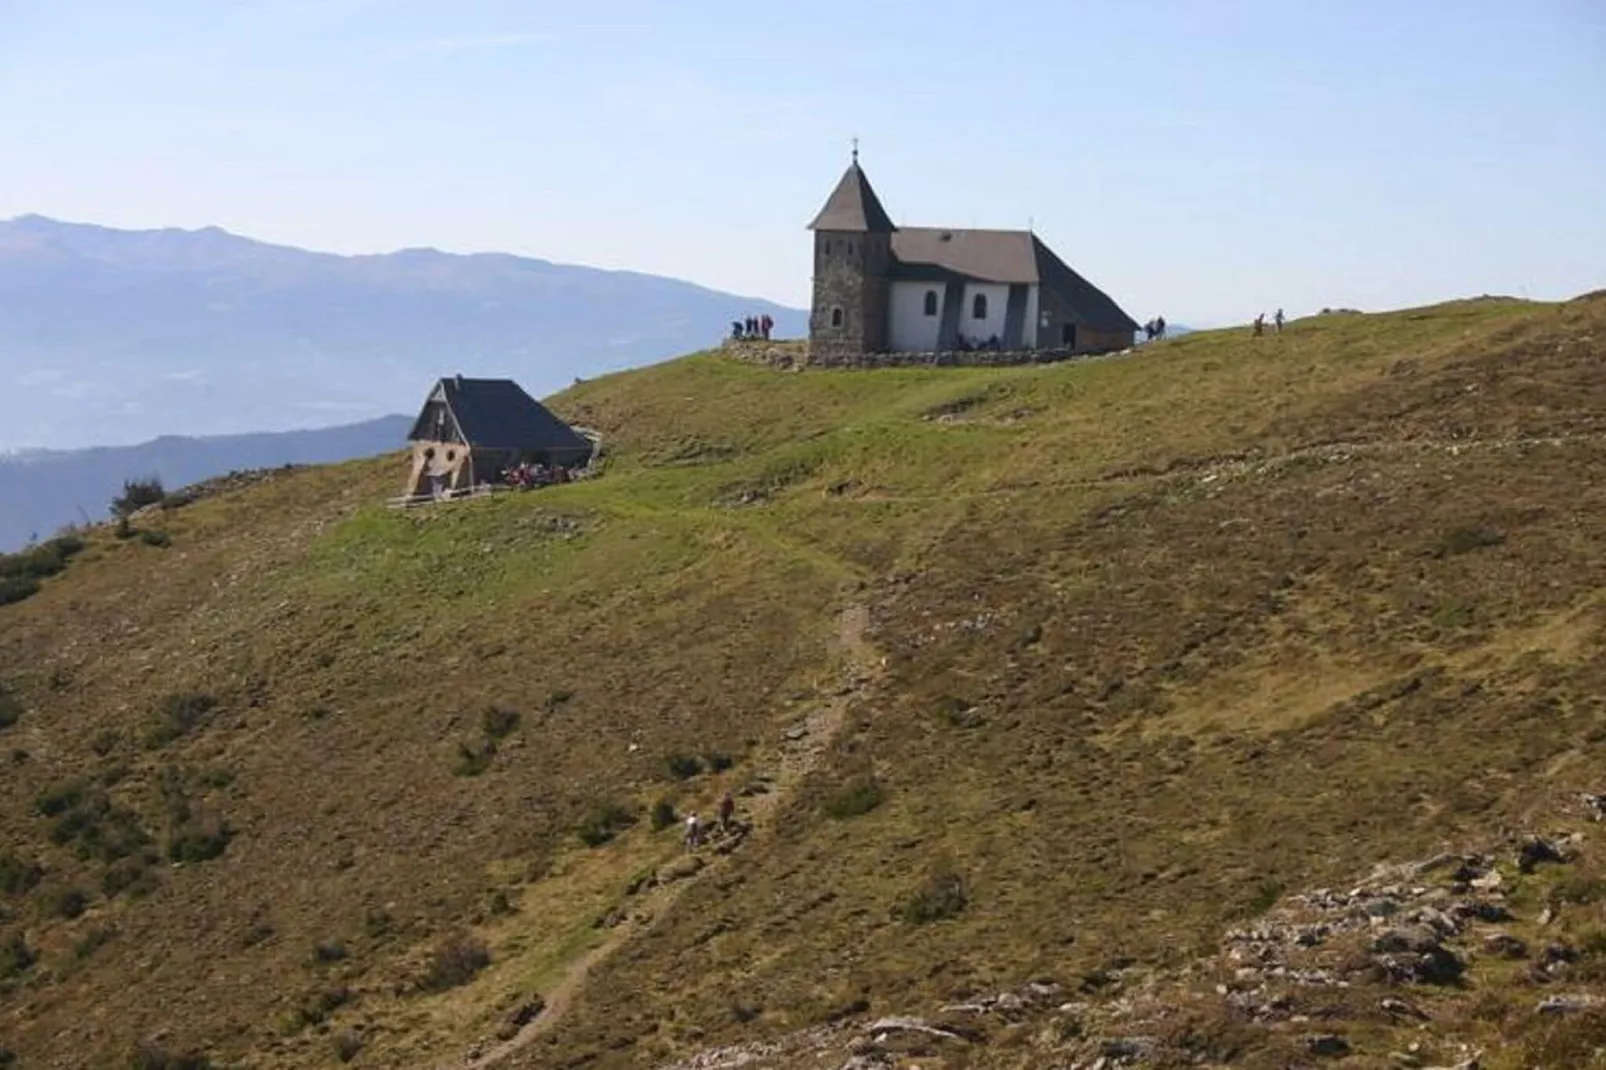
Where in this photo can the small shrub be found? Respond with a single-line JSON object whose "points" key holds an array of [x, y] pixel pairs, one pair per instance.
{"points": [[68, 903], [378, 923], [940, 897], [17, 874], [93, 941], [602, 822], [132, 875], [663, 815], [1579, 888], [857, 797], [198, 840], [159, 539], [499, 722], [348, 1043], [259, 933], [473, 760], [328, 951], [958, 713], [718, 761], [105, 742], [17, 588], [456, 961], [1265, 897], [500, 906], [147, 1056], [683, 766], [8, 1058], [137, 493], [177, 715], [1464, 540], [60, 798], [557, 700], [16, 957], [10, 707]]}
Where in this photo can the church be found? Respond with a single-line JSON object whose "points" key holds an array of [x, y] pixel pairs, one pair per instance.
{"points": [[880, 288]]}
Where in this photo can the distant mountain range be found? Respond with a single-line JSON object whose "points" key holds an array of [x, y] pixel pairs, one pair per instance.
{"points": [[44, 490], [110, 336]]}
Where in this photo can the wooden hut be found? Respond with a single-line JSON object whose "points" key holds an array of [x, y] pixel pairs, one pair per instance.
{"points": [[472, 430]]}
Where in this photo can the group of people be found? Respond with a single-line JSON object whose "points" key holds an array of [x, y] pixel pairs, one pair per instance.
{"points": [[1277, 321], [528, 474], [753, 328], [696, 831], [966, 345], [1155, 328]]}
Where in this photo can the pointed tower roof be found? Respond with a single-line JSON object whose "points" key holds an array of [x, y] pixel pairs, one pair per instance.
{"points": [[853, 205]]}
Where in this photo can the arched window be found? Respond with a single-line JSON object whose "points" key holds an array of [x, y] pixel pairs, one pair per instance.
{"points": [[978, 307], [931, 302], [836, 316]]}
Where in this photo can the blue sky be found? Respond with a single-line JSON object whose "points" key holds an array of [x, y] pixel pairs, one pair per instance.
{"points": [[1206, 160]]}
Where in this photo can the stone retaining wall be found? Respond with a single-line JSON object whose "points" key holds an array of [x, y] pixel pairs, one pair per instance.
{"points": [[796, 355]]}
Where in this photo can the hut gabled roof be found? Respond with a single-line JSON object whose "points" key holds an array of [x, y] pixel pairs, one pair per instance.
{"points": [[497, 413]]}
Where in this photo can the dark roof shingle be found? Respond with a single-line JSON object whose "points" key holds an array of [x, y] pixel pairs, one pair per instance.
{"points": [[853, 206], [498, 413]]}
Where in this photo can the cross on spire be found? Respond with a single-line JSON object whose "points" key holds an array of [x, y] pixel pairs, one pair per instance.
{"points": [[855, 150]]}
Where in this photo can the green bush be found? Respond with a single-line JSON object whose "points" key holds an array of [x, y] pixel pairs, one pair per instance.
{"points": [[38, 562], [1459, 541], [198, 840], [663, 815], [718, 761], [602, 822], [499, 722], [18, 875], [99, 827], [148, 1056], [328, 951], [683, 766], [16, 588], [132, 875], [472, 760], [940, 897], [68, 903], [60, 798], [10, 708], [859, 796], [93, 941], [159, 539], [177, 715], [16, 957], [138, 493], [348, 1044], [456, 961]]}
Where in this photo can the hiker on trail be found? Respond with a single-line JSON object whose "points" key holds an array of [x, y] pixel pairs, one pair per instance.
{"points": [[1278, 320], [766, 325], [1260, 325], [736, 330], [727, 808], [1148, 331], [1159, 326], [694, 831]]}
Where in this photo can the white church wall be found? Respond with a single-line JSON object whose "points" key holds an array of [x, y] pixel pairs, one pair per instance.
{"points": [[909, 329], [1030, 326], [979, 330]]}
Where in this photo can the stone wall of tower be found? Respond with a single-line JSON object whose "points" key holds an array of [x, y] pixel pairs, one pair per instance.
{"points": [[851, 290]]}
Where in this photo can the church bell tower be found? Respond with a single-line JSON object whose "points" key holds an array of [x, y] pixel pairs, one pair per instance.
{"points": [[852, 265]]}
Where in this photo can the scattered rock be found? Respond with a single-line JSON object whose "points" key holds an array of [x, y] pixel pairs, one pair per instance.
{"points": [[1505, 946], [522, 1015], [1595, 805], [797, 732], [1327, 1045], [1569, 1004], [1401, 1009], [1535, 851]]}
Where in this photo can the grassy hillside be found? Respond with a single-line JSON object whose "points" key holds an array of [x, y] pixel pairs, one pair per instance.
{"points": [[1019, 673]]}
